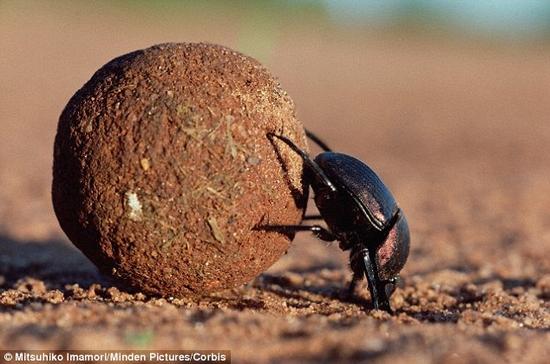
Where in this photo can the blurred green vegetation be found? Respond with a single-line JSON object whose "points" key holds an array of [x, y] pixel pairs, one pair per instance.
{"points": [[489, 18], [140, 339], [300, 8], [258, 24]]}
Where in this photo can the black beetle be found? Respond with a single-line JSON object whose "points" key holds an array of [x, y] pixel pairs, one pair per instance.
{"points": [[360, 213]]}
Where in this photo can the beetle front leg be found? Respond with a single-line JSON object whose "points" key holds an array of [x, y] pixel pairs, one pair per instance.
{"points": [[357, 277], [377, 287]]}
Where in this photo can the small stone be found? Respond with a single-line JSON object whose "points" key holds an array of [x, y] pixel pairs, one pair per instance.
{"points": [[145, 164], [54, 296], [253, 161], [31, 285]]}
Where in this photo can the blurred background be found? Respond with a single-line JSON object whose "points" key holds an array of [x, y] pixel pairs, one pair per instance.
{"points": [[447, 100]]}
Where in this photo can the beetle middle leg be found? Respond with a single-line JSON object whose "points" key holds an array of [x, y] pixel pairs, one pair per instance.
{"points": [[312, 217], [319, 231]]}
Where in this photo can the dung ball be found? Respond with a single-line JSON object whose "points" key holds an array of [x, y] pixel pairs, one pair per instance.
{"points": [[164, 174]]}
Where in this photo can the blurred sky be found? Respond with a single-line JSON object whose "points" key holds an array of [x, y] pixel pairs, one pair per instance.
{"points": [[502, 18]]}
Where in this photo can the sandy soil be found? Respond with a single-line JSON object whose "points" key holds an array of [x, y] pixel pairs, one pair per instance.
{"points": [[458, 131]]}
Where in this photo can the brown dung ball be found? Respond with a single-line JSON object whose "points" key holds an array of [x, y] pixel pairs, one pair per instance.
{"points": [[164, 175]]}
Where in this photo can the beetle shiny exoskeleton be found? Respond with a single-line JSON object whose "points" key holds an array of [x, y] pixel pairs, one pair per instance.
{"points": [[360, 213]]}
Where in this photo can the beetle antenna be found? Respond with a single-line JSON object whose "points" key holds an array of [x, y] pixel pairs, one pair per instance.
{"points": [[312, 166], [314, 138]]}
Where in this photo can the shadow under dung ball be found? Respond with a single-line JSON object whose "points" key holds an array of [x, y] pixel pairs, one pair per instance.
{"points": [[162, 169]]}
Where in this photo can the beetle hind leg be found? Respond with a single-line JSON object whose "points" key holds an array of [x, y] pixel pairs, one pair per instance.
{"points": [[314, 138], [311, 166]]}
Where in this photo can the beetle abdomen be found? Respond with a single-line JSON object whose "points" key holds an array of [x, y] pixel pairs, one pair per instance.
{"points": [[355, 177]]}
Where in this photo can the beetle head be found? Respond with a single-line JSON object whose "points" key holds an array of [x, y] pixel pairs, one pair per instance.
{"points": [[392, 253]]}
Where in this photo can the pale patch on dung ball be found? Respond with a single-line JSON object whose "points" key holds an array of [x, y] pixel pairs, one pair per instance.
{"points": [[135, 209]]}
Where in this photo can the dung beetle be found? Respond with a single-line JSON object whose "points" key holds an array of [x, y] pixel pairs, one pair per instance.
{"points": [[360, 213]]}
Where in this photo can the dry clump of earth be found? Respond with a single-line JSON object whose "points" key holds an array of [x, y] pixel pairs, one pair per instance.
{"points": [[164, 174]]}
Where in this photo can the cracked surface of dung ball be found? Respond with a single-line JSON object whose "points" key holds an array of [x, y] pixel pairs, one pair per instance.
{"points": [[162, 169]]}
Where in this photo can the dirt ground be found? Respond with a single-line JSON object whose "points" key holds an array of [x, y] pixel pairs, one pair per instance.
{"points": [[458, 130]]}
